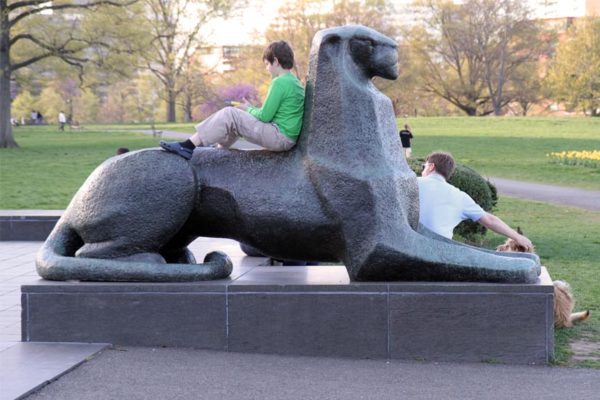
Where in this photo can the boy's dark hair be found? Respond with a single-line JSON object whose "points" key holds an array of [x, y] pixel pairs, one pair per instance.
{"points": [[282, 51], [122, 150], [444, 163]]}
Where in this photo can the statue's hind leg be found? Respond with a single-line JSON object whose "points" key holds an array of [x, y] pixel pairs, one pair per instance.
{"points": [[418, 257], [432, 235], [176, 250], [380, 243]]}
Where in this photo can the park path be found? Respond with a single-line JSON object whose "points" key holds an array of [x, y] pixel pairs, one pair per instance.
{"points": [[581, 198]]}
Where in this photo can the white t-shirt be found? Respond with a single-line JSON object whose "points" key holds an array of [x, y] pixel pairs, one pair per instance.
{"points": [[62, 118], [443, 206]]}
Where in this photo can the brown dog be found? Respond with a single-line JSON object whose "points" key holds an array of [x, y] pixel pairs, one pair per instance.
{"points": [[563, 297]]}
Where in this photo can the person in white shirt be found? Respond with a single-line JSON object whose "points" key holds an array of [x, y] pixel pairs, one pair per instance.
{"points": [[443, 206], [62, 120]]}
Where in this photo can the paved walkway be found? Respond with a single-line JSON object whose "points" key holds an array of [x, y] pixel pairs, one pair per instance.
{"points": [[586, 199], [168, 134], [158, 373]]}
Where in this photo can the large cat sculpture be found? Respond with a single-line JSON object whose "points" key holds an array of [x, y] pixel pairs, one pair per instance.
{"points": [[344, 193]]}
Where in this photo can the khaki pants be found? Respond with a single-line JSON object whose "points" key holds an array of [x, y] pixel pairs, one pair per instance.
{"points": [[407, 152], [229, 124]]}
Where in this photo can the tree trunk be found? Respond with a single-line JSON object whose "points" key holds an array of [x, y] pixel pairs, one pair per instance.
{"points": [[6, 136], [171, 106], [470, 111], [187, 109]]}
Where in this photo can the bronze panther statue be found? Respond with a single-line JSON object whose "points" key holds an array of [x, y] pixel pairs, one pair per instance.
{"points": [[344, 193]]}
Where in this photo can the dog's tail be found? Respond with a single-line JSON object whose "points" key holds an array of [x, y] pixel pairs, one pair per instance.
{"points": [[580, 316], [564, 303]]}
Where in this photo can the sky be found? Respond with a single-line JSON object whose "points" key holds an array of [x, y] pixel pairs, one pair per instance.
{"points": [[249, 25]]}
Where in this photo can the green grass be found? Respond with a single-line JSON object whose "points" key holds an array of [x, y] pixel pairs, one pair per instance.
{"points": [[49, 167], [513, 148], [568, 244]]}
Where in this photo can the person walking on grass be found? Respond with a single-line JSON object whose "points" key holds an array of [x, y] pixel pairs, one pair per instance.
{"points": [[62, 120], [443, 206], [275, 126], [405, 137]]}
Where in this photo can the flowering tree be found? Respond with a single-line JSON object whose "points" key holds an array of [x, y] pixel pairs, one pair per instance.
{"points": [[224, 96]]}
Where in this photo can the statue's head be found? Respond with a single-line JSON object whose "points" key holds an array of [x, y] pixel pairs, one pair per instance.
{"points": [[373, 53]]}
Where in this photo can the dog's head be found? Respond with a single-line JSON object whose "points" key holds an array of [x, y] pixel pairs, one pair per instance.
{"points": [[511, 246]]}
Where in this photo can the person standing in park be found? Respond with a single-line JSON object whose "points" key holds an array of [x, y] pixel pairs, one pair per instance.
{"points": [[275, 126], [443, 206], [62, 120], [405, 137]]}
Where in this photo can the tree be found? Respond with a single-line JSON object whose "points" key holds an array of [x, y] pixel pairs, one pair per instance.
{"points": [[22, 106], [506, 39], [28, 35], [194, 87], [50, 103], [172, 42], [470, 52], [526, 87], [87, 106], [574, 74], [298, 21]]}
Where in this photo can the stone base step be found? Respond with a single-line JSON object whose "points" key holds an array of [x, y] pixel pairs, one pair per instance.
{"points": [[27, 225], [303, 311]]}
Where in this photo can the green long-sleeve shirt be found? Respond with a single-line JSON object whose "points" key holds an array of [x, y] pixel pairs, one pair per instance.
{"points": [[283, 106]]}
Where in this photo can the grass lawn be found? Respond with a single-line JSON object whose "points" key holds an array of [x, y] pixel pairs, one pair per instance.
{"points": [[513, 148], [49, 167]]}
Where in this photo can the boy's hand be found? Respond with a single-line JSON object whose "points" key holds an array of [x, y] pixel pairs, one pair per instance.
{"points": [[244, 104]]}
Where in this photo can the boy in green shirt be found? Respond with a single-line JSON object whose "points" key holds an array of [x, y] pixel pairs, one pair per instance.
{"points": [[274, 126]]}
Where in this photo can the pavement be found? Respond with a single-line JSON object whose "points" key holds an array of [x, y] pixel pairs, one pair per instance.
{"points": [[581, 198], [158, 373]]}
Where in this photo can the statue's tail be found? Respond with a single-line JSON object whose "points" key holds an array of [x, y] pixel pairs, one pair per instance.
{"points": [[56, 261]]}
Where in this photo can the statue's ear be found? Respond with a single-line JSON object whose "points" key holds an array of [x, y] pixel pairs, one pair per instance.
{"points": [[332, 38], [331, 44]]}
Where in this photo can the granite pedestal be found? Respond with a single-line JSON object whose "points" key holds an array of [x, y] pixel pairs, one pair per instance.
{"points": [[313, 311], [27, 225]]}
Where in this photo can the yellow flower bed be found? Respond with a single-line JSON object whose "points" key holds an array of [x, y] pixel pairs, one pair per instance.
{"points": [[586, 158]]}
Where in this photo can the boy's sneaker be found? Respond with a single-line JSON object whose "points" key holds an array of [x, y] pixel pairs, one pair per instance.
{"points": [[177, 148]]}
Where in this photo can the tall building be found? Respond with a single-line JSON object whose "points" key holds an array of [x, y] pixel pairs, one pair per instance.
{"points": [[558, 9]]}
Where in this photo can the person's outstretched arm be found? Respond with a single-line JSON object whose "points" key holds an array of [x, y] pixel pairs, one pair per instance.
{"points": [[495, 224]]}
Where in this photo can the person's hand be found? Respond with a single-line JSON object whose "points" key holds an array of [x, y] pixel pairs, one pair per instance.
{"points": [[244, 104], [525, 242]]}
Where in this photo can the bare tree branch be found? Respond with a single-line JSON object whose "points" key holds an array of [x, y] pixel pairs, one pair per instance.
{"points": [[54, 7]]}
